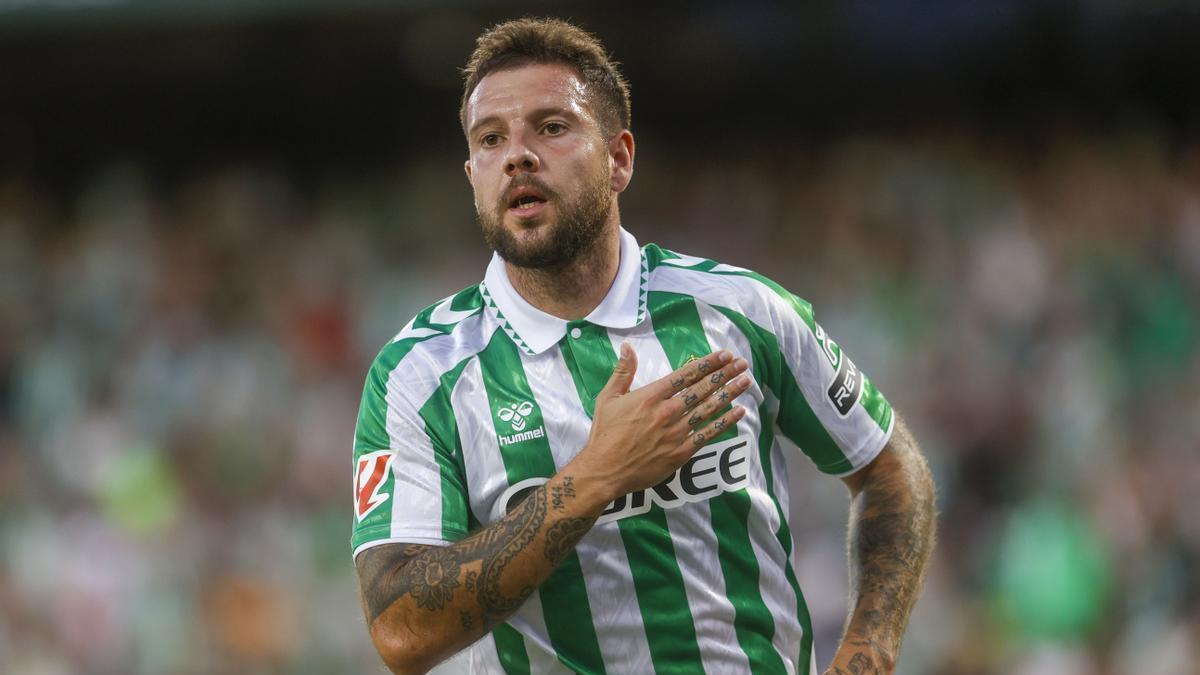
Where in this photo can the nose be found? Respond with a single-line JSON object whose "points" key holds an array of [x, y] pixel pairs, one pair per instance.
{"points": [[520, 159]]}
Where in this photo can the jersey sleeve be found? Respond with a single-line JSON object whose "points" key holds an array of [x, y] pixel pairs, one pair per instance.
{"points": [[408, 482], [827, 406]]}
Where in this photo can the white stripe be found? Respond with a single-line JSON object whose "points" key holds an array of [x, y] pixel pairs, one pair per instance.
{"points": [[693, 537], [779, 465], [416, 508], [484, 657], [763, 520], [481, 451], [567, 424], [602, 559]]}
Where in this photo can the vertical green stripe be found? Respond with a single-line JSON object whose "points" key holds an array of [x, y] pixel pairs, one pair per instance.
{"points": [[657, 579], [783, 535], [796, 418], [443, 430], [678, 328], [510, 648], [564, 597], [766, 364], [875, 404]]}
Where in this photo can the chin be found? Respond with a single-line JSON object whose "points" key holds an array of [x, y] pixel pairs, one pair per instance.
{"points": [[533, 232]]}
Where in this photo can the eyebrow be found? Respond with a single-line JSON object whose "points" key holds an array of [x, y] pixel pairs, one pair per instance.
{"points": [[536, 113]]}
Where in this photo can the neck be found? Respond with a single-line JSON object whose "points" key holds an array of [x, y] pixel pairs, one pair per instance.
{"points": [[575, 289]]}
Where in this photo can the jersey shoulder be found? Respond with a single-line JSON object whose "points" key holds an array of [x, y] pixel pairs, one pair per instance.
{"points": [[437, 320], [719, 283]]}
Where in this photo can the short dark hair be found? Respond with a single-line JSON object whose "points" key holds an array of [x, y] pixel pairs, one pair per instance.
{"points": [[531, 40]]}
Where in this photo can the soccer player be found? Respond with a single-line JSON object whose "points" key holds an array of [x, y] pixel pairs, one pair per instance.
{"points": [[578, 459]]}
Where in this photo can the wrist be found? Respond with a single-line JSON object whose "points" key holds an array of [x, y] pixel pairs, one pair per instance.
{"points": [[863, 652], [592, 493]]}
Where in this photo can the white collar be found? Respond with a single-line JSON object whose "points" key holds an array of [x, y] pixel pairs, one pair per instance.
{"points": [[535, 331]]}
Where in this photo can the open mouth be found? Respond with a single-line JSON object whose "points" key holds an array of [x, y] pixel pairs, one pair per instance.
{"points": [[525, 200]]}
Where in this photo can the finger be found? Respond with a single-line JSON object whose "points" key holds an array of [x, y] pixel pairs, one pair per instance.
{"points": [[717, 401], [622, 375], [693, 395], [690, 373], [705, 434]]}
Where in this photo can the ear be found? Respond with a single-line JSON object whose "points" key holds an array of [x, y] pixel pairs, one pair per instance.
{"points": [[467, 168], [620, 155]]}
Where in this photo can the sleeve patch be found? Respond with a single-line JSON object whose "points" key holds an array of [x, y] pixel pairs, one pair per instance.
{"points": [[846, 388], [369, 477]]}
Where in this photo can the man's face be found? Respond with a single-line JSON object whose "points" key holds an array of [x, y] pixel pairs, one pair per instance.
{"points": [[539, 165]]}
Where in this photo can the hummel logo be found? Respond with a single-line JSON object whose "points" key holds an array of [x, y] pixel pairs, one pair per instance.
{"points": [[516, 414]]}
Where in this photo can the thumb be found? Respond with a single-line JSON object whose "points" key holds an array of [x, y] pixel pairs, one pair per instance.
{"points": [[622, 375]]}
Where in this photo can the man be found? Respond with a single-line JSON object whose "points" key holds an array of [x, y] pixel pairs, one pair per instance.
{"points": [[578, 455]]}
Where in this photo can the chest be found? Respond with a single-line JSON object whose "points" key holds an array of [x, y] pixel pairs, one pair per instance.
{"points": [[523, 418]]}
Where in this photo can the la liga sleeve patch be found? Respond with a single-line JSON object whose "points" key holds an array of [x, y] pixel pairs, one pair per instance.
{"points": [[369, 477]]}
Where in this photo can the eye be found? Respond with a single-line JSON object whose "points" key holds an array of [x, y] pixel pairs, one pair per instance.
{"points": [[554, 128], [489, 140]]}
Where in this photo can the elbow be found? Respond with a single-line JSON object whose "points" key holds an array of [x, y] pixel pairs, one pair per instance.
{"points": [[402, 652]]}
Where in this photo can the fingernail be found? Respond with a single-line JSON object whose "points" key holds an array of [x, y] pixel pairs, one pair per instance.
{"points": [[725, 356], [625, 348], [742, 380], [741, 363]]}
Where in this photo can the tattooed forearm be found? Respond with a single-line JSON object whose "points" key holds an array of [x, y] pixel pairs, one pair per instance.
{"points": [[377, 571], [432, 578], [562, 537], [505, 545], [891, 535], [484, 578], [559, 493]]}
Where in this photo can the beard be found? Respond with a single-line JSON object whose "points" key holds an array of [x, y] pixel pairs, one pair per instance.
{"points": [[578, 224]]}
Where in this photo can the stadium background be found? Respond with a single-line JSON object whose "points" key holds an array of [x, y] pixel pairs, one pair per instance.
{"points": [[212, 215]]}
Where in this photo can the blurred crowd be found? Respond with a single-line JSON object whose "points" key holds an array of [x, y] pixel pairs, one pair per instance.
{"points": [[180, 367]]}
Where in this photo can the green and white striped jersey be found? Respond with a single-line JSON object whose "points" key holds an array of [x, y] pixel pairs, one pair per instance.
{"points": [[482, 395]]}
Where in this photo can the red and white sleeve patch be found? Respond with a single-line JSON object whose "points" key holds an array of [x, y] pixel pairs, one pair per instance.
{"points": [[369, 476]]}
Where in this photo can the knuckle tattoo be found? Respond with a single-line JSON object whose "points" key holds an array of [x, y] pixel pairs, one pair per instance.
{"points": [[717, 377], [677, 382]]}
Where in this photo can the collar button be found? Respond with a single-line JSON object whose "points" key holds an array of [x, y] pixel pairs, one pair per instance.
{"points": [[576, 333]]}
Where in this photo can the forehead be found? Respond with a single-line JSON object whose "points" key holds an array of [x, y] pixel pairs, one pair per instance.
{"points": [[513, 91]]}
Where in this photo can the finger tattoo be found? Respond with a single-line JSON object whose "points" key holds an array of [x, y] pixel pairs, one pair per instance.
{"points": [[677, 382], [698, 439], [703, 367], [723, 395], [717, 377], [720, 425], [694, 420], [690, 399]]}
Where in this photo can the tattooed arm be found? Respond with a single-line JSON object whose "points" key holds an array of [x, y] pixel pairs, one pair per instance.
{"points": [[424, 603], [892, 529]]}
